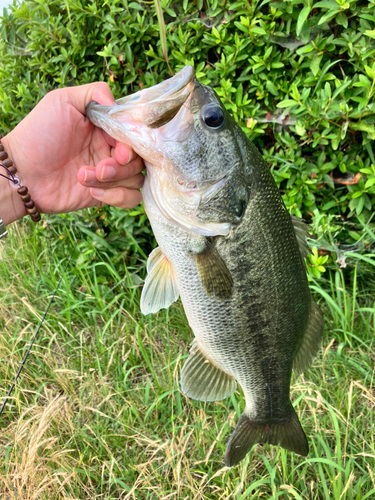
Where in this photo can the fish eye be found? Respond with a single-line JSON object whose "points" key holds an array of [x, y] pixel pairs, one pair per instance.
{"points": [[213, 116]]}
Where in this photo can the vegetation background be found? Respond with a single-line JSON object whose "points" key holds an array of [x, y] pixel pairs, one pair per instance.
{"points": [[98, 411]]}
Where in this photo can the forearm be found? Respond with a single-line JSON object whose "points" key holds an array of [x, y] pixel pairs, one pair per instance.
{"points": [[11, 206]]}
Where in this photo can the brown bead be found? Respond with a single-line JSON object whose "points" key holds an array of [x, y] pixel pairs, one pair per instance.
{"points": [[1, 147], [12, 170], [26, 198], [22, 190], [29, 204], [3, 155], [32, 211], [8, 163], [36, 217]]}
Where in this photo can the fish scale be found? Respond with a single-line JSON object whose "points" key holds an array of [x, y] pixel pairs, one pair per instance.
{"points": [[228, 248]]}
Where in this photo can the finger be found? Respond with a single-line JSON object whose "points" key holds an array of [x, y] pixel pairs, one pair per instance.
{"points": [[124, 154], [134, 182], [118, 197], [109, 170]]}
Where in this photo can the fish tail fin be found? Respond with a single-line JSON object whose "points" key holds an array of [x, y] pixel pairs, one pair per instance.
{"points": [[287, 433]]}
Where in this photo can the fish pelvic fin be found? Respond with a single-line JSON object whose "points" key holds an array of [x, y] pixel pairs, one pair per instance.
{"points": [[287, 433], [204, 381], [311, 339], [160, 288], [213, 272]]}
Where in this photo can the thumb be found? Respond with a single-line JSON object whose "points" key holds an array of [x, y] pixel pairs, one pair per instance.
{"points": [[80, 96]]}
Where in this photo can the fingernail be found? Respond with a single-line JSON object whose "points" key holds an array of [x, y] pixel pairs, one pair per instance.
{"points": [[107, 172], [89, 176], [97, 193]]}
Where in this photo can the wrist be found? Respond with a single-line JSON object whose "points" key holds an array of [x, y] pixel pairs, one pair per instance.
{"points": [[11, 206]]}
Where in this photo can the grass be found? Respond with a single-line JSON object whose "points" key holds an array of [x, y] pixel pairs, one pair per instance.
{"points": [[98, 411]]}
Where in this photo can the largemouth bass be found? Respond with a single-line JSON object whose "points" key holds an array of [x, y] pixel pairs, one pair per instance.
{"points": [[230, 250]]}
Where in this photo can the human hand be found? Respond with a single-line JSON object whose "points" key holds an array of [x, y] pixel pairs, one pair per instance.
{"points": [[66, 162]]}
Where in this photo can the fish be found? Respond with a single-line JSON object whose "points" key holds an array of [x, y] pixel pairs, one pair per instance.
{"points": [[228, 247]]}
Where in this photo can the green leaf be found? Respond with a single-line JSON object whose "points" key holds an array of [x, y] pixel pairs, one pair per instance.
{"points": [[341, 89], [303, 15], [277, 65], [327, 17], [216, 33], [360, 204], [257, 30], [271, 88], [286, 103], [326, 4], [362, 101], [135, 5], [344, 130], [241, 27], [354, 235], [128, 53], [315, 63], [329, 205], [357, 194], [370, 182], [370, 72], [342, 19], [327, 89], [300, 130], [366, 171], [335, 142], [239, 94]]}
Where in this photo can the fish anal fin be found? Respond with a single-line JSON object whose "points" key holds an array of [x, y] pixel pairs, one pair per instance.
{"points": [[204, 381], [287, 433], [213, 272], [311, 339], [160, 288]]}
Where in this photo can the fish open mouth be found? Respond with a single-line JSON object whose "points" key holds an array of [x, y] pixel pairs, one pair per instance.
{"points": [[155, 106], [163, 101]]}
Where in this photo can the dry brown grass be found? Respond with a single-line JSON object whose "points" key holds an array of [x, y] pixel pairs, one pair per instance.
{"points": [[36, 467]]}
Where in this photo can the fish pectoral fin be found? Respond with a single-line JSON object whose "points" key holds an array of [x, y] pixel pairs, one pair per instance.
{"points": [[302, 233], [204, 381], [213, 272], [160, 288], [286, 433], [311, 339]]}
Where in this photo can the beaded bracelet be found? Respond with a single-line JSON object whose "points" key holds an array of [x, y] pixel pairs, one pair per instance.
{"points": [[11, 170]]}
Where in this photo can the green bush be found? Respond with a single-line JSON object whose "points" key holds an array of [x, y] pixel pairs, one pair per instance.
{"points": [[299, 77]]}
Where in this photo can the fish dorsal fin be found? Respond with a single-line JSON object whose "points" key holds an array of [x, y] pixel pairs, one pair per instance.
{"points": [[302, 232], [204, 381], [160, 288], [213, 272], [311, 339]]}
